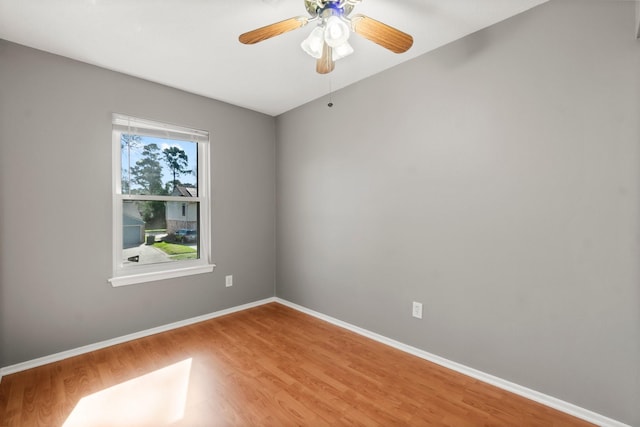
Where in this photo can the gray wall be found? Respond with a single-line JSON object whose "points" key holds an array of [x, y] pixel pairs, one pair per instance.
{"points": [[55, 198], [496, 180]]}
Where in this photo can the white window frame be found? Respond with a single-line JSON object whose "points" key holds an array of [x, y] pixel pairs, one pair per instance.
{"points": [[131, 274]]}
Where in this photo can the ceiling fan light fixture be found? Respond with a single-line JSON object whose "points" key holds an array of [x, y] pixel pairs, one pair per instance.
{"points": [[313, 44], [336, 31], [328, 42]]}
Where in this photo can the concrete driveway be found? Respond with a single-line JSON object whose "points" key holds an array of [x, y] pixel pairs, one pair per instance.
{"points": [[146, 255]]}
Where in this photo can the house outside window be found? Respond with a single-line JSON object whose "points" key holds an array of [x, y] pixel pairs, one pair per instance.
{"points": [[161, 226]]}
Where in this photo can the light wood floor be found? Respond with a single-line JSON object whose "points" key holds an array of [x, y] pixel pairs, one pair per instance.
{"points": [[269, 365]]}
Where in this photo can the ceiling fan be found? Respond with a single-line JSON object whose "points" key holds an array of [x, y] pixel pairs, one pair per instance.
{"points": [[328, 42]]}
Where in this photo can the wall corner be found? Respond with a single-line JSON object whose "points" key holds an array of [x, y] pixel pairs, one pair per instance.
{"points": [[638, 19]]}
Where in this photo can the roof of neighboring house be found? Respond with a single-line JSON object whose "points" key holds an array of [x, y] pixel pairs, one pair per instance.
{"points": [[131, 215], [181, 190], [127, 220]]}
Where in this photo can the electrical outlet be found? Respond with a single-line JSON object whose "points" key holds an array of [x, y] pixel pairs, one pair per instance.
{"points": [[417, 310], [228, 281]]}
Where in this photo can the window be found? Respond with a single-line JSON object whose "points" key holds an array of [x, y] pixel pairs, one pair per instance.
{"points": [[160, 201]]}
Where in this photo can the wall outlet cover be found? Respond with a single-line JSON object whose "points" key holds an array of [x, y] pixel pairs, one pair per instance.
{"points": [[417, 310]]}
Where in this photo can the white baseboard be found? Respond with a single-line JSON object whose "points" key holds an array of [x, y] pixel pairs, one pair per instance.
{"points": [[119, 340], [542, 398], [536, 396]]}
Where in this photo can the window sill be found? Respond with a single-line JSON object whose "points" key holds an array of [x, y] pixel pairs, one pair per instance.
{"points": [[160, 275]]}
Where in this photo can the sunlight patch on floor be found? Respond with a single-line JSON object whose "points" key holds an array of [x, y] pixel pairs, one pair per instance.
{"points": [[153, 399]]}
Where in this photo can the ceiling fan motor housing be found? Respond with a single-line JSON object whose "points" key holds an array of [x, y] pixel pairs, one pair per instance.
{"points": [[326, 8]]}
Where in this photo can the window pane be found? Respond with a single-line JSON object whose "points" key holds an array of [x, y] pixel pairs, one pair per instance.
{"points": [[158, 166], [156, 232]]}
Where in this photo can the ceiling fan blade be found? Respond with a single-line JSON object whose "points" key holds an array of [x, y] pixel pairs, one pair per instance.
{"points": [[382, 34], [325, 63], [264, 33]]}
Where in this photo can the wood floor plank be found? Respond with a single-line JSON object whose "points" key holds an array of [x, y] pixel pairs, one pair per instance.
{"points": [[266, 366]]}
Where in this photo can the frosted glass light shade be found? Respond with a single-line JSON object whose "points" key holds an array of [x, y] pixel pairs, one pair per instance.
{"points": [[313, 44], [336, 31], [341, 51]]}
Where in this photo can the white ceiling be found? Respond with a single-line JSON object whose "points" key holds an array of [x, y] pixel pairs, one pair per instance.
{"points": [[193, 44]]}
